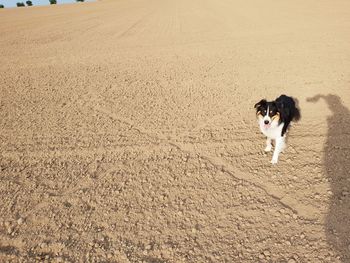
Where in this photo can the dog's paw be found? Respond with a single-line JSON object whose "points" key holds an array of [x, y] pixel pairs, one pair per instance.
{"points": [[268, 148], [274, 160]]}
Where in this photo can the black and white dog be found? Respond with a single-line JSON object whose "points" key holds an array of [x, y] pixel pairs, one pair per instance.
{"points": [[274, 118]]}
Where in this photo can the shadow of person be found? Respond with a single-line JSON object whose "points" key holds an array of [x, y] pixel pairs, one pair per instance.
{"points": [[337, 169]]}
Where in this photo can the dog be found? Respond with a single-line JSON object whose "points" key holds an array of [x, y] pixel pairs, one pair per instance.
{"points": [[274, 118]]}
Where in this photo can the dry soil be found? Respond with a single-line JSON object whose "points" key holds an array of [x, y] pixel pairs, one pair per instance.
{"points": [[128, 134]]}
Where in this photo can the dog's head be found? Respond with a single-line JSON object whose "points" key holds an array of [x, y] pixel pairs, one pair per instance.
{"points": [[268, 114]]}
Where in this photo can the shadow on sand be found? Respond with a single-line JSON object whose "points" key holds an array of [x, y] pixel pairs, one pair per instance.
{"points": [[337, 169]]}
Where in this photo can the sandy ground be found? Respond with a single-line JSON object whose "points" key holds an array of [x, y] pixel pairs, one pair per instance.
{"points": [[128, 134]]}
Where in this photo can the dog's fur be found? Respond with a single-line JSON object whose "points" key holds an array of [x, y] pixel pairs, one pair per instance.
{"points": [[274, 118]]}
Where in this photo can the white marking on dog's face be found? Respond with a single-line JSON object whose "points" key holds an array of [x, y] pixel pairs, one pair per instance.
{"points": [[267, 119]]}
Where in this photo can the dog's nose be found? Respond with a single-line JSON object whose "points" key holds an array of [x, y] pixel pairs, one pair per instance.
{"points": [[266, 121]]}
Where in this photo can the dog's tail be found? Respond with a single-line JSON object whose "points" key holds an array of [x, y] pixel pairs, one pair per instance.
{"points": [[296, 113]]}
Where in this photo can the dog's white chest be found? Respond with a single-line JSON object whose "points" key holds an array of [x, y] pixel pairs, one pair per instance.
{"points": [[272, 132]]}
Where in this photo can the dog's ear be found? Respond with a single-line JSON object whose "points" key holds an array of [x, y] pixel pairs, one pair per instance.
{"points": [[263, 101]]}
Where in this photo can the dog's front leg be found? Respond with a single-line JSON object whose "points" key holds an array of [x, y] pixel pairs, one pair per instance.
{"points": [[278, 148], [268, 145]]}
